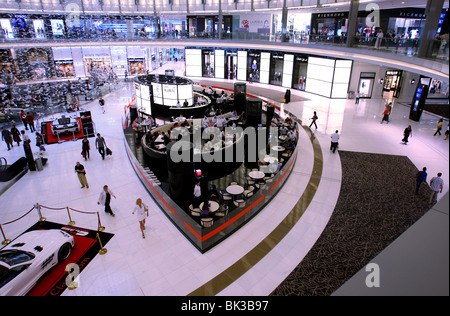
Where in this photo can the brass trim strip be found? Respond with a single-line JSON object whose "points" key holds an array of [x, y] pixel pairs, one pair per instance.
{"points": [[237, 269]]}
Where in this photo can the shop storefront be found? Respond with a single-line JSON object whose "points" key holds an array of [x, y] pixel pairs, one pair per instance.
{"points": [[96, 64], [136, 66], [35, 63], [300, 71], [253, 65], [39, 29], [391, 84], [231, 59], [6, 30], [208, 26], [404, 23], [329, 27], [57, 26], [64, 68], [276, 68], [208, 63], [365, 85]]}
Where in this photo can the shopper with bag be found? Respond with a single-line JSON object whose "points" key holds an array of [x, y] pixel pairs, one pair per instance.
{"points": [[85, 147], [100, 144]]}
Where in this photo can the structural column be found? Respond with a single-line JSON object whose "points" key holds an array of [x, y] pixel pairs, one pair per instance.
{"points": [[352, 21], [284, 17], [433, 12], [219, 27]]}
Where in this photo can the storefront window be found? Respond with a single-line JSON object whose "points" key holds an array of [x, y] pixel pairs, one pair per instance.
{"points": [[253, 65], [39, 28], [299, 73], [406, 28], [6, 31]]}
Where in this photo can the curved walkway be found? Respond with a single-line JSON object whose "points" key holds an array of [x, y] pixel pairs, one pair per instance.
{"points": [[165, 263]]}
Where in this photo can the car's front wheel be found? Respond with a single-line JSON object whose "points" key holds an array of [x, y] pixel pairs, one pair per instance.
{"points": [[64, 252]]}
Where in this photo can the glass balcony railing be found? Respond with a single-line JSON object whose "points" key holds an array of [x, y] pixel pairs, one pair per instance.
{"points": [[438, 49]]}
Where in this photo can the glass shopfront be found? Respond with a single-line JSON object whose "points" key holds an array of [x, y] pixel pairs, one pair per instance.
{"points": [[208, 63], [231, 59], [392, 84], [276, 68], [253, 65], [64, 68], [365, 86], [300, 70], [136, 66], [93, 65]]}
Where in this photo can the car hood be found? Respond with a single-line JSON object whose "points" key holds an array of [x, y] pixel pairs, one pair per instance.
{"points": [[38, 241]]}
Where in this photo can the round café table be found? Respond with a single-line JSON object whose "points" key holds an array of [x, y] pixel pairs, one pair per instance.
{"points": [[278, 148], [235, 189], [257, 175], [214, 206], [270, 160]]}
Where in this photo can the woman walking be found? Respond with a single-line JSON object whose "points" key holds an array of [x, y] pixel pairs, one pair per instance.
{"points": [[385, 115], [85, 147], [314, 119], [439, 127], [406, 133], [16, 135], [142, 212], [105, 199]]}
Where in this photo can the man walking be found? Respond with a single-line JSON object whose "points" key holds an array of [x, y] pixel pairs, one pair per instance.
{"points": [[30, 121], [23, 117], [105, 199], [79, 169], [6, 136], [334, 141], [100, 144], [102, 104], [421, 177], [436, 185]]}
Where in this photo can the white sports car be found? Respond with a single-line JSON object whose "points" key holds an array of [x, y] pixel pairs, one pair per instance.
{"points": [[29, 256], [65, 125]]}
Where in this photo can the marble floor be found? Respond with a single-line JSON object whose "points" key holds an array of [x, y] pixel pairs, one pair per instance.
{"points": [[165, 263]]}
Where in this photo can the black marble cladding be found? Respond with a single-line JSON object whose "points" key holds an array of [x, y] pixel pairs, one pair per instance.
{"points": [[205, 238]]}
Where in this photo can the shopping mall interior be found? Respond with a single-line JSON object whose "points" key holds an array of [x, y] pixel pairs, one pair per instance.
{"points": [[311, 215]]}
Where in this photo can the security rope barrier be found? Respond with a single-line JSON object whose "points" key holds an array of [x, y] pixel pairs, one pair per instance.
{"points": [[39, 207]]}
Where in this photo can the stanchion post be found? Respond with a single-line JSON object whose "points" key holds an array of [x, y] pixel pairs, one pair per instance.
{"points": [[102, 250], [100, 227], [41, 218], [71, 223], [5, 241]]}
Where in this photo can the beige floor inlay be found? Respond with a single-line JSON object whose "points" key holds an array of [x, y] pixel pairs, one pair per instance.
{"points": [[224, 279]]}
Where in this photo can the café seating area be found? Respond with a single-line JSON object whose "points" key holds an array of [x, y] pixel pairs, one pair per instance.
{"points": [[237, 190]]}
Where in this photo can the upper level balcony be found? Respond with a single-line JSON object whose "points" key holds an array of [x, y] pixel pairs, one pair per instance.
{"points": [[394, 52]]}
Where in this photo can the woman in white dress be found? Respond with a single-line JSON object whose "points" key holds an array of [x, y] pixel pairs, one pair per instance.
{"points": [[142, 212]]}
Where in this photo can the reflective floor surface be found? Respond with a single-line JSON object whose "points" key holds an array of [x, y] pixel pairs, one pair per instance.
{"points": [[165, 263]]}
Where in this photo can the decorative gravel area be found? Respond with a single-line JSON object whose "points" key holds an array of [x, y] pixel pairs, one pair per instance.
{"points": [[375, 206]]}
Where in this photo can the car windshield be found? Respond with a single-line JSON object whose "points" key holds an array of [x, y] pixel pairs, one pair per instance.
{"points": [[14, 257], [7, 275]]}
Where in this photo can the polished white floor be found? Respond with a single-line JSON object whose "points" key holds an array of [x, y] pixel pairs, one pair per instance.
{"points": [[165, 263]]}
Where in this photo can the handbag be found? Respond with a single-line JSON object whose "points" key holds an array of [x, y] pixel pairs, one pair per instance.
{"points": [[108, 151]]}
